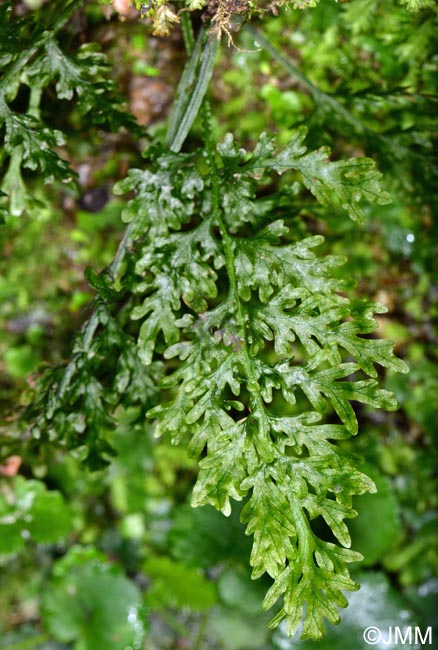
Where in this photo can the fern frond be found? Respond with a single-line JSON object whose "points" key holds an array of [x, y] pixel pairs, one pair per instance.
{"points": [[260, 345]]}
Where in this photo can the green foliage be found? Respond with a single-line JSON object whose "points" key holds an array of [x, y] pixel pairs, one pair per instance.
{"points": [[345, 181], [28, 511], [78, 399], [277, 331], [37, 64], [202, 538], [91, 603], [376, 604], [377, 528], [257, 369], [175, 584], [20, 361], [223, 326]]}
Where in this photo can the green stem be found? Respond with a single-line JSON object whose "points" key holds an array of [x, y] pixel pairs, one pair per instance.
{"points": [[125, 243], [88, 331], [193, 84], [13, 183], [187, 31], [252, 382], [34, 101], [304, 534]]}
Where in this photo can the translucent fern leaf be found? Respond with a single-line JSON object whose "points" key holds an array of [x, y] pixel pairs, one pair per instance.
{"points": [[262, 347]]}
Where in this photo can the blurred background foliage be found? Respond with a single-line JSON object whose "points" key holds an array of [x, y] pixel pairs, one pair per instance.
{"points": [[117, 558]]}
